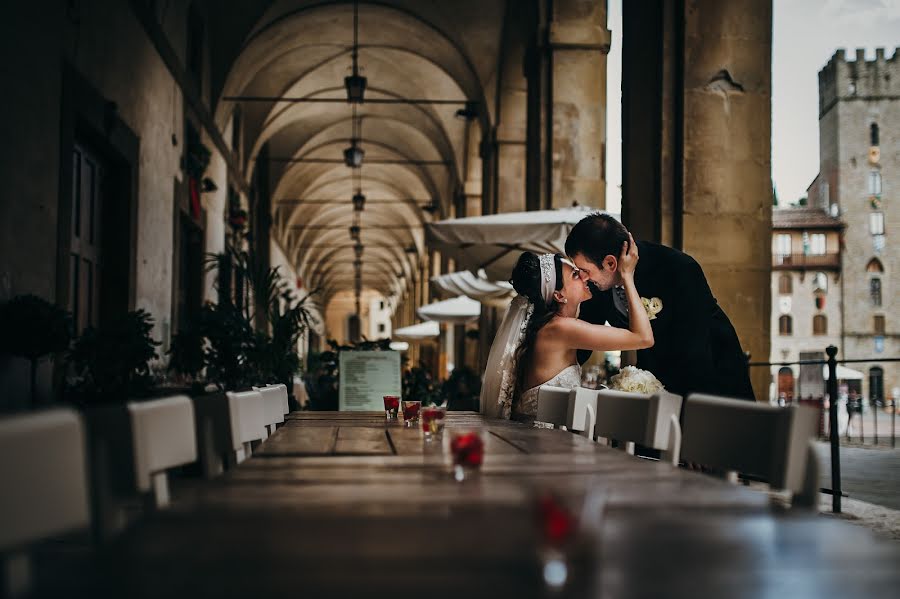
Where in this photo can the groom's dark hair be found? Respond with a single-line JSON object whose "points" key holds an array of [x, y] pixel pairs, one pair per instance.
{"points": [[597, 236]]}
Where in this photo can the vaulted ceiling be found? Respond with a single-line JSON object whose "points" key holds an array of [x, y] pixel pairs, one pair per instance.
{"points": [[292, 54]]}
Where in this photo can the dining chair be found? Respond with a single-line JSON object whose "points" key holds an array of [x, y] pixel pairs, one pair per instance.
{"points": [[44, 487], [227, 425], [274, 405], [164, 436], [769, 442], [251, 426], [650, 420], [582, 413], [553, 406]]}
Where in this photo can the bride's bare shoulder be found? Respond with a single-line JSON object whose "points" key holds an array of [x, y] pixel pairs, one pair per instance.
{"points": [[559, 326]]}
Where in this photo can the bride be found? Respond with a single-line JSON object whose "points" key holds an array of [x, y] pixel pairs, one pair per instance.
{"points": [[537, 341]]}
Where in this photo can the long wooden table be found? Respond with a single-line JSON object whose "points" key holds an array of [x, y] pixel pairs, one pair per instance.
{"points": [[339, 504]]}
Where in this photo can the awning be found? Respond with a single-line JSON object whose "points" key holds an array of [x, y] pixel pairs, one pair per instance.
{"points": [[458, 310], [423, 330], [494, 242], [497, 294], [843, 373]]}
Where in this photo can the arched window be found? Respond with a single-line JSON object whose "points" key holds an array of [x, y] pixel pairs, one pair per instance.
{"points": [[785, 325], [874, 265], [873, 134], [820, 325], [785, 285], [876, 385]]}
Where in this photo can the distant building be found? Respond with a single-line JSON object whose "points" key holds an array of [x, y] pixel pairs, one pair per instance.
{"points": [[806, 297], [859, 184]]}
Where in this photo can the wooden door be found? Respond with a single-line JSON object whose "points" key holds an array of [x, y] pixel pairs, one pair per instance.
{"points": [[85, 262]]}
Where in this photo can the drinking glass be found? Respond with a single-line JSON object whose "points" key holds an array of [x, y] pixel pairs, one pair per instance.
{"points": [[391, 406], [433, 421], [411, 412], [467, 448]]}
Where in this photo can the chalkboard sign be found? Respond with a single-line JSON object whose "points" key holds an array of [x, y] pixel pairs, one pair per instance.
{"points": [[366, 377]]}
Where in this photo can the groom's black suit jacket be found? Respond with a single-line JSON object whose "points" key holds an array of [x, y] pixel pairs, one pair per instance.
{"points": [[695, 346]]}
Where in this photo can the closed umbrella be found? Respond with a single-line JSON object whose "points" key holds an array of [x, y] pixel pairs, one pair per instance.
{"points": [[494, 242], [478, 287], [458, 310], [423, 330]]}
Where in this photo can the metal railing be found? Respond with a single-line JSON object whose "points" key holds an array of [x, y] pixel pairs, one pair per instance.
{"points": [[831, 389]]}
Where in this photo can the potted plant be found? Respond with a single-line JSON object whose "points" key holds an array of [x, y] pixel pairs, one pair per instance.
{"points": [[187, 357], [112, 363], [461, 389], [33, 329], [418, 384]]}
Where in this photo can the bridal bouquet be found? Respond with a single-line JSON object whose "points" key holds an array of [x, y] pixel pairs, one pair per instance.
{"points": [[635, 380]]}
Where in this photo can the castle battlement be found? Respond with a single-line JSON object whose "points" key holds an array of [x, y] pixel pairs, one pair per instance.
{"points": [[841, 79]]}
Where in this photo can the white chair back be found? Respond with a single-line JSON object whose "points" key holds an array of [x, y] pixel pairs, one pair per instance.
{"points": [[286, 406], [649, 420], [770, 442], [553, 405], [582, 414], [44, 487], [164, 436], [274, 403], [43, 476], [249, 412]]}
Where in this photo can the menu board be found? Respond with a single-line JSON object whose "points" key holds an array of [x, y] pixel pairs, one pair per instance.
{"points": [[366, 377]]}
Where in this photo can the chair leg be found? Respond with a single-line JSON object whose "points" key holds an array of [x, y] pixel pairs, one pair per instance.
{"points": [[209, 457], [16, 575], [160, 484], [589, 423], [808, 497], [672, 452]]}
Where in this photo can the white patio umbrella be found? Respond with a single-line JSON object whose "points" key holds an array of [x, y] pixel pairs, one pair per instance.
{"points": [[493, 243], [478, 287], [414, 332], [843, 373], [458, 310]]}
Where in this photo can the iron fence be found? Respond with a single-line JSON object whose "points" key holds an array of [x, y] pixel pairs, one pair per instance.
{"points": [[831, 397]]}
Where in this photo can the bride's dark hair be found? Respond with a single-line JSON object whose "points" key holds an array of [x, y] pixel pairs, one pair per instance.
{"points": [[526, 280]]}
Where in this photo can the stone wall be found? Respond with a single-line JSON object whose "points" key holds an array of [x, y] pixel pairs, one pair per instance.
{"points": [[103, 43]]}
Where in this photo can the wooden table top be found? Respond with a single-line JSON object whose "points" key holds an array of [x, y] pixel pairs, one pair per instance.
{"points": [[338, 504]]}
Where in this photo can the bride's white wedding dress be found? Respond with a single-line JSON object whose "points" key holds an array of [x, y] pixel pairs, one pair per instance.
{"points": [[526, 406]]}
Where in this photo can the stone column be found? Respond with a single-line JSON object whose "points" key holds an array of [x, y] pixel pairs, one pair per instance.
{"points": [[571, 80], [727, 209]]}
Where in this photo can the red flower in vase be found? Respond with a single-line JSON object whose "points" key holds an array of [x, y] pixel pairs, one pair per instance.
{"points": [[557, 523]]}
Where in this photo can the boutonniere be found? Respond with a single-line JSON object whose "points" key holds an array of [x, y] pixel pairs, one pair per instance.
{"points": [[653, 306]]}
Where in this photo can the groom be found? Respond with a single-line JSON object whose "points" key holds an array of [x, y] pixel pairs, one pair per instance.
{"points": [[696, 348]]}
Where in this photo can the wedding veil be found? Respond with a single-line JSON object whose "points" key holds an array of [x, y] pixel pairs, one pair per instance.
{"points": [[500, 373]]}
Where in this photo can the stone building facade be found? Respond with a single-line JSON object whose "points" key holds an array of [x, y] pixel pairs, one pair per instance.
{"points": [[806, 298], [859, 179]]}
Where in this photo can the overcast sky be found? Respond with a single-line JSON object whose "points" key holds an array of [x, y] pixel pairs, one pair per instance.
{"points": [[806, 34]]}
